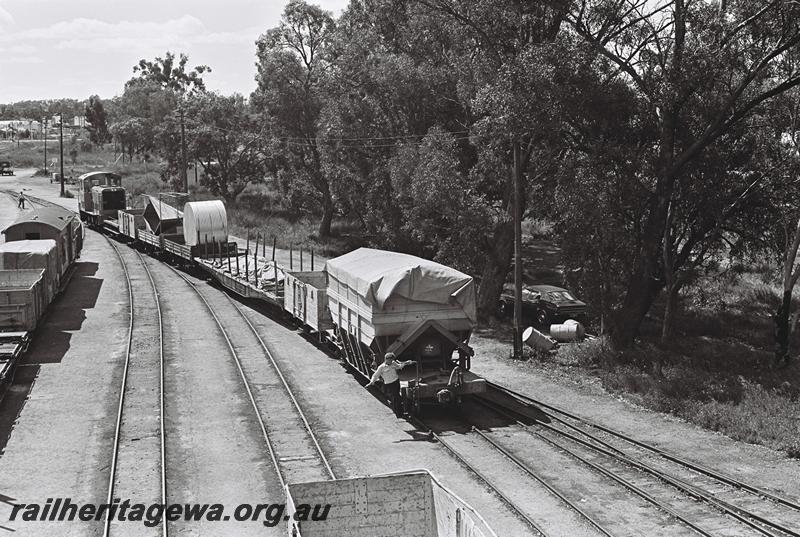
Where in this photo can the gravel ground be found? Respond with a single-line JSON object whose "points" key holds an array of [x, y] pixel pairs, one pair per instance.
{"points": [[58, 445]]}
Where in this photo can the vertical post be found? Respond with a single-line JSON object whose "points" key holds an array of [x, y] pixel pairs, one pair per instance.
{"points": [[255, 262], [264, 247], [61, 148], [45, 145], [228, 255], [184, 177], [517, 254], [205, 245], [247, 259], [301, 258], [237, 259], [274, 240], [291, 257], [312, 259]]}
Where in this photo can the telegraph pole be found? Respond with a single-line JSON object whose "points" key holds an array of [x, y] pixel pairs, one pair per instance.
{"points": [[517, 170], [61, 148], [45, 144], [184, 177]]}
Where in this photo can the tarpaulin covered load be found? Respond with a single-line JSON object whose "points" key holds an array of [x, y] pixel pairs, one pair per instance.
{"points": [[31, 254], [378, 275]]}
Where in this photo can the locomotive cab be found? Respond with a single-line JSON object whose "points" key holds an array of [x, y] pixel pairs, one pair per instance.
{"points": [[101, 196]]}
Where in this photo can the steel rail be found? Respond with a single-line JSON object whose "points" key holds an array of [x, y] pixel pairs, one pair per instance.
{"points": [[508, 501], [668, 456], [245, 382], [162, 412], [123, 387], [528, 470], [118, 426], [739, 513], [743, 515], [286, 386]]}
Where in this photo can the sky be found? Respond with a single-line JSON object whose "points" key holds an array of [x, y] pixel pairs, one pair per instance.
{"points": [[76, 48]]}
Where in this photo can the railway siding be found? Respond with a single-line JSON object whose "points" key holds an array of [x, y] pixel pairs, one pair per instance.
{"points": [[294, 445], [215, 453]]}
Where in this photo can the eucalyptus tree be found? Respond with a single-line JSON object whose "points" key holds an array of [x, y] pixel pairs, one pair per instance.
{"points": [[292, 62], [699, 70]]}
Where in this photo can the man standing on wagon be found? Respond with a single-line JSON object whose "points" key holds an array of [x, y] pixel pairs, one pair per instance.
{"points": [[21, 200], [387, 372]]}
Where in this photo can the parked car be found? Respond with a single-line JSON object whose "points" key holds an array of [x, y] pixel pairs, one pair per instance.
{"points": [[6, 168], [546, 304]]}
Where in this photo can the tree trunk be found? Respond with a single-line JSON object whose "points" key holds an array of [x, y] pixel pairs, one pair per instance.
{"points": [[327, 216], [670, 311], [498, 263], [643, 288], [782, 329]]}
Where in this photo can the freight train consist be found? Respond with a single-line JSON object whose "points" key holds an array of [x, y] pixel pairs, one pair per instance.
{"points": [[36, 261], [365, 303]]}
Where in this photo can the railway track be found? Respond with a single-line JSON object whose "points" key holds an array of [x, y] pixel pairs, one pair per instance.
{"points": [[138, 468], [528, 494], [295, 452], [696, 490]]}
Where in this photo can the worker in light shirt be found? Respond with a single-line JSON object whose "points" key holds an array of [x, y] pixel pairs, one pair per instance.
{"points": [[387, 372]]}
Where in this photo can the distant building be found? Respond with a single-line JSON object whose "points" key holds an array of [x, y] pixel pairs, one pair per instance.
{"points": [[79, 121], [19, 128]]}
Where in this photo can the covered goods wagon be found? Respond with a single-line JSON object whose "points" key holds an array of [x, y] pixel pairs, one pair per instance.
{"points": [[53, 223], [33, 254]]}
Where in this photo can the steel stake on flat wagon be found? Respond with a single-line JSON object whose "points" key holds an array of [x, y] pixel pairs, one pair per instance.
{"points": [[274, 242], [312, 259], [291, 256], [255, 262], [246, 259], [301, 259]]}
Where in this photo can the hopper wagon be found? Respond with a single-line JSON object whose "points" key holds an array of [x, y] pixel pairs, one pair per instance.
{"points": [[369, 302]]}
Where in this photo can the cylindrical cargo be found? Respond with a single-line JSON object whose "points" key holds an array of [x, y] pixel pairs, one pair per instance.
{"points": [[205, 222], [570, 331], [537, 340]]}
